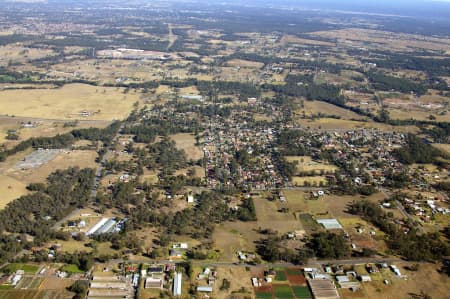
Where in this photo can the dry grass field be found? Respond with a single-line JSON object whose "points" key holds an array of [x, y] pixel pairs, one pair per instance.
{"points": [[427, 279], [269, 217], [73, 246], [386, 39], [418, 114], [186, 142], [315, 107], [17, 53], [334, 79], [330, 205], [42, 128], [66, 103], [244, 63], [341, 124], [443, 147], [10, 189], [309, 180], [51, 283], [64, 160], [306, 164], [241, 74], [107, 71], [291, 39], [150, 176], [238, 277], [338, 204], [362, 238], [199, 172], [36, 294], [189, 90], [230, 237], [299, 202]]}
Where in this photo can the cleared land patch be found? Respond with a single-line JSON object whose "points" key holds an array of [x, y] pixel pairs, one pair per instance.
{"points": [[245, 63], [268, 215], [186, 142], [10, 189], [64, 160], [307, 164], [316, 107], [69, 102]]}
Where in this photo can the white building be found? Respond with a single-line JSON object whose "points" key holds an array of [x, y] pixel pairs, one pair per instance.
{"points": [[177, 284]]}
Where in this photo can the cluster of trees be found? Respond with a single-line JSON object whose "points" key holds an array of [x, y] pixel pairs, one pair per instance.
{"points": [[440, 132], [34, 214], [99, 43], [247, 211], [329, 245], [197, 222], [165, 155], [304, 86], [381, 81], [432, 66], [64, 140], [322, 245], [271, 249], [80, 288], [9, 76], [411, 245], [244, 90], [288, 141], [416, 151], [148, 129]]}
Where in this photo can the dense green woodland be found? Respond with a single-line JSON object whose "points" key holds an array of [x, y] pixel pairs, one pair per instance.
{"points": [[417, 151], [35, 214], [412, 245]]}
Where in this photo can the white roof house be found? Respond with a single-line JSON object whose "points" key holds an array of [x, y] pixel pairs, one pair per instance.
{"points": [[207, 289]]}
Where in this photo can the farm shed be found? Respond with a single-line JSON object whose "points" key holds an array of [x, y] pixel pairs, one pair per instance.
{"points": [[323, 289], [330, 223]]}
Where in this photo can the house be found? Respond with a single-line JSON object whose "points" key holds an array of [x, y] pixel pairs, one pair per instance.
{"points": [[177, 253], [255, 282], [242, 256], [252, 101], [180, 246], [190, 198], [206, 289], [372, 268], [365, 278], [71, 224], [155, 269], [395, 269], [342, 278]]}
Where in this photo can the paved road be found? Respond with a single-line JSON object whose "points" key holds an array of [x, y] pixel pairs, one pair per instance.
{"points": [[355, 261], [37, 119], [100, 167], [98, 173], [398, 203]]}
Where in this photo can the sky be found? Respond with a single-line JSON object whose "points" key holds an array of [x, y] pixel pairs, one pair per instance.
{"points": [[439, 9]]}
